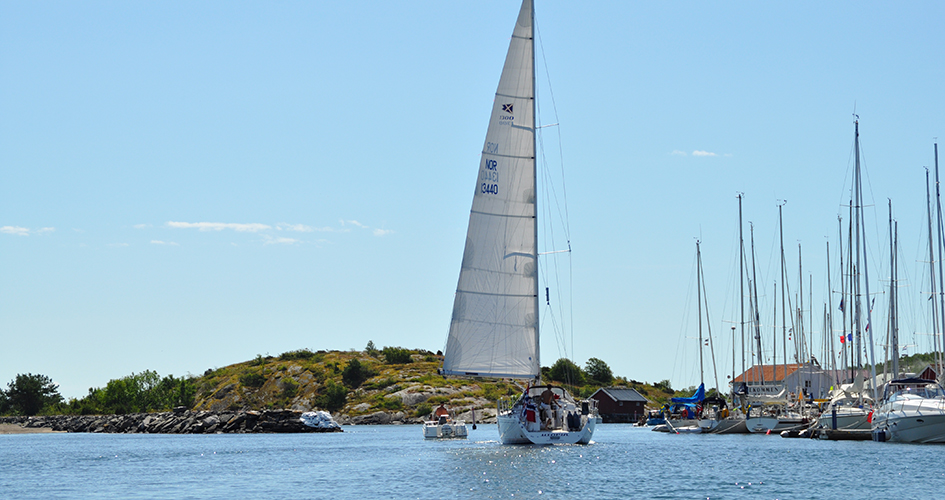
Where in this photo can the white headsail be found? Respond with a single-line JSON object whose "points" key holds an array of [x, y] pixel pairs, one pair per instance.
{"points": [[494, 328]]}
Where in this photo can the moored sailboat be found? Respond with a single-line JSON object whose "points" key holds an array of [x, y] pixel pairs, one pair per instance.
{"points": [[912, 409]]}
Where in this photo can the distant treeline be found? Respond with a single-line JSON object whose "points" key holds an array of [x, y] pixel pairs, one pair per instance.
{"points": [[137, 393]]}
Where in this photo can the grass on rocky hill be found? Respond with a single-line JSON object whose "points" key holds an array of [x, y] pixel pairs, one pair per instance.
{"points": [[305, 380]]}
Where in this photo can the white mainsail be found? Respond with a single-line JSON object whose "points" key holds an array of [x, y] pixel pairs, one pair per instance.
{"points": [[494, 328]]}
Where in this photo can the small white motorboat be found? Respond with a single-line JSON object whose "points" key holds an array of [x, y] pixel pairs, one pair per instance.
{"points": [[444, 428]]}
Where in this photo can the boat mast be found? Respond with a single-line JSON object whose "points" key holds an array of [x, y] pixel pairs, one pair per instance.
{"points": [[935, 324], [861, 225], [843, 295], [531, 39], [800, 342], [755, 314], [783, 306], [852, 337], [741, 280], [799, 338], [829, 327], [699, 304], [938, 203], [774, 331], [893, 327]]}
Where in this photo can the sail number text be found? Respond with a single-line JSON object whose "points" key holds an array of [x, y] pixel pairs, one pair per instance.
{"points": [[490, 178]]}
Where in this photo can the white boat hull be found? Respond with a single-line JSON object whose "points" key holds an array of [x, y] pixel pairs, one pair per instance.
{"points": [[546, 415], [913, 411], [513, 430], [911, 427], [847, 419], [451, 430], [730, 425], [761, 425]]}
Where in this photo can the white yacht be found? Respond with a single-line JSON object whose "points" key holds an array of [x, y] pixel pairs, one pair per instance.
{"points": [[912, 410]]}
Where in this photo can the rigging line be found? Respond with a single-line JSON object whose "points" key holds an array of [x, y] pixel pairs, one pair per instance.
{"points": [[681, 357], [554, 106], [705, 296]]}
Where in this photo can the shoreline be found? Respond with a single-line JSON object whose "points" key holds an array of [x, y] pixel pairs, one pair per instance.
{"points": [[20, 429], [175, 422]]}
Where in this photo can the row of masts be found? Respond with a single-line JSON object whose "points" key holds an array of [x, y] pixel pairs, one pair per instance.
{"points": [[855, 306]]}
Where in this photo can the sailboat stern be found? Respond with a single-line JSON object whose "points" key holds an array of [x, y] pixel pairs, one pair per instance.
{"points": [[546, 415]]}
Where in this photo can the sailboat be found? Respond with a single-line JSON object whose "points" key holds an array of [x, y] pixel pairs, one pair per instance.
{"points": [[912, 409], [494, 331]]}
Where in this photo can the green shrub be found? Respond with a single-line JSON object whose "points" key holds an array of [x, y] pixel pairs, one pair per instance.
{"points": [[492, 392], [289, 388], [355, 374], [381, 384], [253, 379], [318, 374], [334, 397], [422, 410], [299, 355], [391, 404], [438, 399], [396, 355], [664, 386]]}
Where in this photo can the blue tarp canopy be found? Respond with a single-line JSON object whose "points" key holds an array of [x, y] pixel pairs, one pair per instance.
{"points": [[695, 398]]}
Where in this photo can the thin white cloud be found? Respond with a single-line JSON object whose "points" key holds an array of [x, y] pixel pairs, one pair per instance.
{"points": [[354, 223], [219, 226], [17, 230], [44, 230], [383, 232], [302, 228], [159, 242], [269, 240], [703, 153], [677, 152]]}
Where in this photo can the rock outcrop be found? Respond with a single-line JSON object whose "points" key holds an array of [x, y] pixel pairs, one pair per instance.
{"points": [[175, 422]]}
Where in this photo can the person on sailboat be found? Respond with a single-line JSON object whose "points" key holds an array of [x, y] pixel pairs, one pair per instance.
{"points": [[442, 414], [548, 407]]}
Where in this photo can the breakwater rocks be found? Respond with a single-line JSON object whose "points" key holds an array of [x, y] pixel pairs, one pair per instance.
{"points": [[175, 422]]}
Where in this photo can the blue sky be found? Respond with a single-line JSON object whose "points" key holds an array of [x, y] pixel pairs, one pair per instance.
{"points": [[184, 186]]}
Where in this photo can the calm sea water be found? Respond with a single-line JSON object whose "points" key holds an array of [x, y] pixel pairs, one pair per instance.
{"points": [[395, 462]]}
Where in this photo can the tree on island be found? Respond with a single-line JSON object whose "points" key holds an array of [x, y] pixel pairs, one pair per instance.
{"points": [[29, 394], [564, 370], [598, 371]]}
